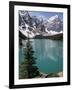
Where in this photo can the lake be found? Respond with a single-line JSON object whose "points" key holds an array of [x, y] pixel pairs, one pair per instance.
{"points": [[49, 54]]}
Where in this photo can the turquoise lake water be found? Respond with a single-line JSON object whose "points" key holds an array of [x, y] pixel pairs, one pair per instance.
{"points": [[49, 54]]}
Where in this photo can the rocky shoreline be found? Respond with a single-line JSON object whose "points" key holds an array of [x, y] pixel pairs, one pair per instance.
{"points": [[45, 75]]}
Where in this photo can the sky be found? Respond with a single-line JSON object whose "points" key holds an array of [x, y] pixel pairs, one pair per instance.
{"points": [[46, 15]]}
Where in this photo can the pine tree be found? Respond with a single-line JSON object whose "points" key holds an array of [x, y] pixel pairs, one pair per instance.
{"points": [[28, 68]]}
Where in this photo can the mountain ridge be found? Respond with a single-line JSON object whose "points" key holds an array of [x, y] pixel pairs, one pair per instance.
{"points": [[32, 26]]}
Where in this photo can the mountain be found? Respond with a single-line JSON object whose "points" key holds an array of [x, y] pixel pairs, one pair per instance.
{"points": [[31, 26], [55, 23]]}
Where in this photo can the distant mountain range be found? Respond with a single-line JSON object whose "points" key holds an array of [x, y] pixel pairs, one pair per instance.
{"points": [[34, 26]]}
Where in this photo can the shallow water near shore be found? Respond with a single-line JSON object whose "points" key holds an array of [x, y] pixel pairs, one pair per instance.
{"points": [[49, 54]]}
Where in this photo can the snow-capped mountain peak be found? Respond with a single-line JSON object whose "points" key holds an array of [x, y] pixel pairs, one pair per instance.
{"points": [[53, 18]]}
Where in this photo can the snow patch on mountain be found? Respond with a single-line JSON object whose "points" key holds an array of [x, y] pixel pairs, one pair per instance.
{"points": [[53, 18], [27, 33]]}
